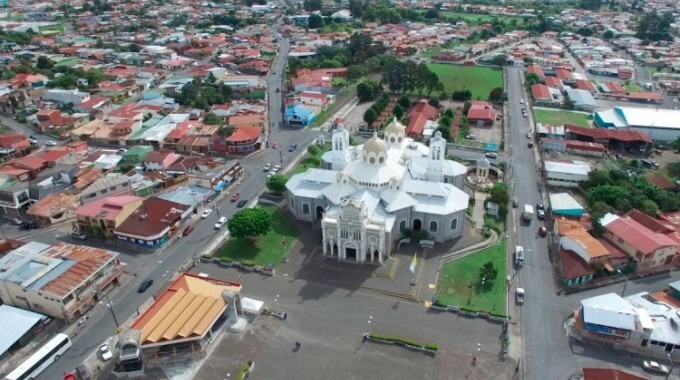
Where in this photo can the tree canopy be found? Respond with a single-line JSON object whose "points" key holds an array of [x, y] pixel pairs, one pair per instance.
{"points": [[277, 182], [655, 27], [500, 195], [250, 223]]}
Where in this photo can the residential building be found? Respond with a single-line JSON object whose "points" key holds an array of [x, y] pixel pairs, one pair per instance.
{"points": [[74, 97], [62, 280], [648, 248], [545, 96], [160, 160], [481, 113], [54, 208], [418, 117], [153, 223], [110, 185], [14, 198], [299, 116], [104, 215], [244, 140], [366, 206]]}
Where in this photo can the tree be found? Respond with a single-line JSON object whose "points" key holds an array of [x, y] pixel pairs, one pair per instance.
{"points": [[500, 195], [367, 90], [356, 8], [676, 144], [615, 196], [585, 32], [532, 78], [398, 111], [313, 150], [500, 60], [487, 273], [277, 183], [655, 27], [592, 5], [315, 21], [250, 223], [212, 119], [434, 102], [370, 116], [405, 103], [461, 95], [43, 63], [496, 94], [608, 35]]}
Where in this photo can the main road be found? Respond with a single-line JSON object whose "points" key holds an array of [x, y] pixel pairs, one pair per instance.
{"points": [[160, 266]]}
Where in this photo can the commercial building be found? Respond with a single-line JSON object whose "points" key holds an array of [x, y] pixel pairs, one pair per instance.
{"points": [[659, 124], [60, 280], [583, 100], [370, 195], [566, 173], [104, 215], [153, 223]]}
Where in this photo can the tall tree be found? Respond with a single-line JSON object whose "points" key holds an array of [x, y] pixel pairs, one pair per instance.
{"points": [[655, 27], [250, 223]]}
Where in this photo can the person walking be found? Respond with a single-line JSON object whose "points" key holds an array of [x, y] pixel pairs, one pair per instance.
{"points": [[297, 345]]}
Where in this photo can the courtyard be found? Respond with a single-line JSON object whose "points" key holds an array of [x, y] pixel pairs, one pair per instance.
{"points": [[459, 282], [479, 80], [560, 117], [266, 250]]}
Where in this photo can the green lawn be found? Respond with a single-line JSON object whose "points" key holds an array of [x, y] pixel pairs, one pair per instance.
{"points": [[473, 18], [267, 249], [309, 161], [458, 282], [560, 117], [632, 87], [479, 80]]}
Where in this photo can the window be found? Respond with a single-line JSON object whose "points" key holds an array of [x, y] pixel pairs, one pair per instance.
{"points": [[305, 209], [433, 226], [343, 233], [402, 226], [454, 224], [381, 159], [371, 160]]}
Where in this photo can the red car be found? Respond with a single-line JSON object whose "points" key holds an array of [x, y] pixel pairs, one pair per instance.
{"points": [[235, 197], [188, 230], [542, 232]]}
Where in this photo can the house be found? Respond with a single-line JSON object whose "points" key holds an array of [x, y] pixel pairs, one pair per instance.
{"points": [[575, 271], [297, 115], [54, 208], [153, 223], [160, 160], [554, 82], [535, 69], [244, 140], [314, 98], [418, 117], [110, 185], [575, 238], [14, 198], [481, 113], [136, 154], [582, 100], [648, 248], [13, 142], [566, 173], [104, 215], [544, 95], [61, 280], [253, 120]]}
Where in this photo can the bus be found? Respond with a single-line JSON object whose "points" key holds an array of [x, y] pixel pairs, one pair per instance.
{"points": [[41, 359]]}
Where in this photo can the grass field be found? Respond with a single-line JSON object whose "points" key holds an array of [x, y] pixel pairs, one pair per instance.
{"points": [[480, 18], [267, 249], [458, 282], [479, 80], [560, 117]]}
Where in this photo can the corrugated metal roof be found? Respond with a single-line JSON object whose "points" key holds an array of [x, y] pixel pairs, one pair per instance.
{"points": [[21, 321]]}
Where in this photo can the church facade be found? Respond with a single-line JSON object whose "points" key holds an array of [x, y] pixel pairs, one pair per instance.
{"points": [[367, 196]]}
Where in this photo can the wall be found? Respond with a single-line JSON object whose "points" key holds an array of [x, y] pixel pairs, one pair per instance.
{"points": [[564, 179]]}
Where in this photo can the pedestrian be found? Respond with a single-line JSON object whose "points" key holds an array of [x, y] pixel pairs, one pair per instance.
{"points": [[474, 361], [297, 345]]}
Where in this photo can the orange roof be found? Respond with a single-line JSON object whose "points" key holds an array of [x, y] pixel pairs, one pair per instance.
{"points": [[608, 374], [245, 134], [187, 309], [53, 204], [579, 235], [89, 261]]}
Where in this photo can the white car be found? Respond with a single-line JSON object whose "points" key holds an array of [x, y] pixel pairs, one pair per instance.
{"points": [[267, 167], [51, 143], [105, 353], [653, 366], [206, 213], [519, 295], [276, 168], [220, 222], [271, 173], [521, 101]]}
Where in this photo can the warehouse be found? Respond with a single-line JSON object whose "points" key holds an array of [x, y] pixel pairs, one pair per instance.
{"points": [[659, 124]]}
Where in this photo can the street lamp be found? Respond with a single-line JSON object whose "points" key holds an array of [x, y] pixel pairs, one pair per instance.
{"points": [[113, 313], [668, 375], [625, 283]]}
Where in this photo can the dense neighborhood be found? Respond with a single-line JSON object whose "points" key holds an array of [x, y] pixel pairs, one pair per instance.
{"points": [[317, 189]]}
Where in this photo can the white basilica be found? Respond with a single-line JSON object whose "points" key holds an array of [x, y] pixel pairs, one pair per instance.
{"points": [[366, 196]]}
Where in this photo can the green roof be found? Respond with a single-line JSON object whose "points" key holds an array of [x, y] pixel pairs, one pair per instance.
{"points": [[137, 153]]}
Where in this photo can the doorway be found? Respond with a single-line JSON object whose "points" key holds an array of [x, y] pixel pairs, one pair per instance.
{"points": [[319, 212], [417, 225], [351, 254]]}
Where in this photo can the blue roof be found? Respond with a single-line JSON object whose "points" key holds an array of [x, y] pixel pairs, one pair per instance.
{"points": [[21, 321]]}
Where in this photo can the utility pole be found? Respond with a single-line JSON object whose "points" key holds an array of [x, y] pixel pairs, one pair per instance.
{"points": [[113, 313]]}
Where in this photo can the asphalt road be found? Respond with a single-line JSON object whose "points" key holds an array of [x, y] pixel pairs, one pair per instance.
{"points": [[23, 129], [161, 265]]}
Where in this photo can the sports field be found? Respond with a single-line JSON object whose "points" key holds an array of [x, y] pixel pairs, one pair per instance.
{"points": [[479, 80]]}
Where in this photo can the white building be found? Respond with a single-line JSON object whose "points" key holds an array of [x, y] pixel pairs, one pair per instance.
{"points": [[660, 124], [566, 174], [366, 197], [66, 96]]}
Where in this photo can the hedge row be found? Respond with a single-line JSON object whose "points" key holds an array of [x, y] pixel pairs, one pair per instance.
{"points": [[244, 370], [429, 346]]}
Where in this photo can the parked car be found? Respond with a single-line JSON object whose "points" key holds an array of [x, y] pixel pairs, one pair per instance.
{"points": [[530, 144], [540, 206], [206, 213], [242, 203], [470, 137], [33, 141], [519, 295], [79, 236], [105, 353], [540, 214], [275, 145], [235, 197], [28, 226], [188, 230], [51, 143], [146, 284], [276, 168], [278, 90], [492, 155], [653, 366], [521, 101], [267, 167], [529, 135], [515, 203], [542, 231], [292, 147], [220, 222]]}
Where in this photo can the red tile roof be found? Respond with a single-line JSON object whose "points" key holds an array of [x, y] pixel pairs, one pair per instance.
{"points": [[245, 134], [535, 69], [554, 82], [106, 208], [603, 133], [481, 110], [152, 217], [583, 84], [432, 113], [540, 92], [53, 154], [563, 74], [615, 87], [30, 163], [573, 265], [638, 235], [416, 124], [609, 374]]}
